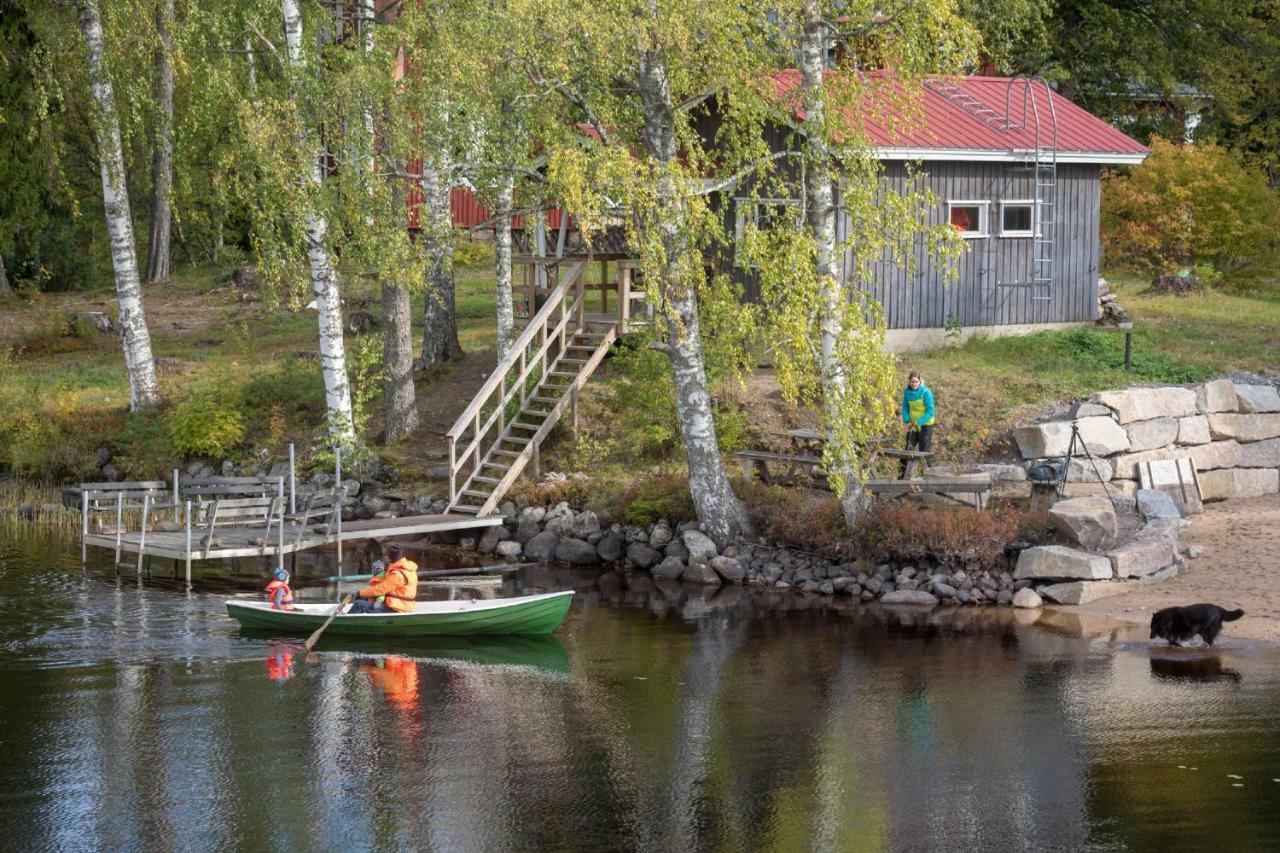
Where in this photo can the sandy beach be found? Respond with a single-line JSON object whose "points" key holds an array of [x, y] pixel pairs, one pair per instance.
{"points": [[1239, 567]]}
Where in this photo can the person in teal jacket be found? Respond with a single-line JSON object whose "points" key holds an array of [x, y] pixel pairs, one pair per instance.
{"points": [[918, 415]]}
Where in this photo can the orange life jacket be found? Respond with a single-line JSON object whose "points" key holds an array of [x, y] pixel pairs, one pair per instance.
{"points": [[271, 592], [400, 587]]}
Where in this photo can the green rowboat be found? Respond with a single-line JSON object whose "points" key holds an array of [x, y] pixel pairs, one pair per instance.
{"points": [[526, 614]]}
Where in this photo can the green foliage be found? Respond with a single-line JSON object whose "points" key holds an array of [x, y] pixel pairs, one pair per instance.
{"points": [[1094, 350], [367, 372], [648, 499], [471, 252], [1189, 205], [205, 426]]}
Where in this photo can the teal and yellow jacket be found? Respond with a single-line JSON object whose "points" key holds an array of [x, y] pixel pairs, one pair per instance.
{"points": [[917, 406]]}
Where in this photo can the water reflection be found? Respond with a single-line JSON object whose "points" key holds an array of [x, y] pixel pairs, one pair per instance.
{"points": [[662, 717]]}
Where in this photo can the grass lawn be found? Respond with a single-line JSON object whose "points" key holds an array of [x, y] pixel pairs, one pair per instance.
{"points": [[64, 392]]}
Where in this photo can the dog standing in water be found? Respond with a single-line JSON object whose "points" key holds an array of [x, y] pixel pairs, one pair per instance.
{"points": [[1179, 624]]}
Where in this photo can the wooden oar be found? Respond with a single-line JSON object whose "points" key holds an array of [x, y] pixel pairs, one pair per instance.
{"points": [[444, 573], [314, 638]]}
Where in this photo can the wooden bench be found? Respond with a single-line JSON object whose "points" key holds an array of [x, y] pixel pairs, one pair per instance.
{"points": [[202, 488], [264, 511], [979, 489], [797, 466], [118, 497], [912, 458], [324, 507]]}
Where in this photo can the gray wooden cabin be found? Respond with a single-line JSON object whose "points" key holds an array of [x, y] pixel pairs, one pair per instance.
{"points": [[1017, 169]]}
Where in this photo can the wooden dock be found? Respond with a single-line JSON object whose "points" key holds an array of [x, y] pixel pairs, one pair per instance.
{"points": [[233, 542]]}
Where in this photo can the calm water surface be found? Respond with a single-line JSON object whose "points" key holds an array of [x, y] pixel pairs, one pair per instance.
{"points": [[135, 716]]}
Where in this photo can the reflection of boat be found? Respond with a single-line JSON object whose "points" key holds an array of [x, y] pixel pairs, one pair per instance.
{"points": [[527, 614], [536, 651]]}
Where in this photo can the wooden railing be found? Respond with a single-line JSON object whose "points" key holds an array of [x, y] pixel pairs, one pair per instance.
{"points": [[484, 420]]}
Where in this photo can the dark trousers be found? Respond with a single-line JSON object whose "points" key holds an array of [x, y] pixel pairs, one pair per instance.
{"points": [[364, 605], [920, 439]]}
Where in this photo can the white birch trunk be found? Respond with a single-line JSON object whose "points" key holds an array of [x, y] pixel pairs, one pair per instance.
{"points": [[5, 287], [252, 63], [720, 513], [502, 265], [840, 457], [144, 390], [440, 319], [324, 281], [162, 156]]}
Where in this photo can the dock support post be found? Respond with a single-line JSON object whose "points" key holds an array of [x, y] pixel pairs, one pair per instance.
{"points": [[119, 524], [188, 543], [142, 535], [293, 481], [84, 526]]}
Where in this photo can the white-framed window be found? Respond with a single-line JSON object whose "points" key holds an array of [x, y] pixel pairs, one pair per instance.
{"points": [[1017, 218], [969, 217], [764, 213]]}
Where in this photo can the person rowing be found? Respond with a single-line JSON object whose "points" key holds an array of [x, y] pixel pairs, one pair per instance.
{"points": [[393, 592]]}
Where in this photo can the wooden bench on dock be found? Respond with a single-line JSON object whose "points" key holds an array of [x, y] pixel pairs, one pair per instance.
{"points": [[979, 489]]}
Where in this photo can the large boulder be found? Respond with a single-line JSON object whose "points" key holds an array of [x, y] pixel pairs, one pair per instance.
{"points": [[700, 572], [1054, 562], [490, 538], [1143, 404], [1148, 435], [1205, 457], [1049, 439], [542, 547], [1193, 430], [1239, 483], [1084, 470], [611, 547], [1216, 396], [510, 549], [670, 568], [1260, 454], [1027, 598], [1150, 550], [909, 596], [1103, 436], [526, 530], [585, 524], [1082, 592], [729, 568], [1258, 398], [1089, 522], [701, 546], [1245, 427], [1153, 504], [643, 555]]}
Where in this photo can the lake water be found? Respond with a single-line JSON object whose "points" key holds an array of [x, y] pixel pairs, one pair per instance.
{"points": [[135, 716]]}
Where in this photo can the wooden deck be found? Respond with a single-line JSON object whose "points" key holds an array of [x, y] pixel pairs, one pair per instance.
{"points": [[248, 542]]}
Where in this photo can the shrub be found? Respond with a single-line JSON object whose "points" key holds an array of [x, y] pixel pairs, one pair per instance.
{"points": [[572, 492], [204, 426], [647, 499], [959, 538], [805, 518], [470, 252], [1189, 205]]}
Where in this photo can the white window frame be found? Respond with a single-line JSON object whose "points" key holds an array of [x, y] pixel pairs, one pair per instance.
{"points": [[1024, 202], [741, 205], [984, 217]]}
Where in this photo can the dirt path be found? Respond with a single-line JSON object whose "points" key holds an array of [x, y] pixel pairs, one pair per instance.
{"points": [[1240, 567]]}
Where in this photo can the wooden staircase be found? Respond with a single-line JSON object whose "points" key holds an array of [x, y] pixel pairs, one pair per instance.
{"points": [[502, 429]]}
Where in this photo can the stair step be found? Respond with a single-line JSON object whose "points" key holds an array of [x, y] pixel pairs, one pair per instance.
{"points": [[552, 400], [467, 508], [493, 480], [562, 374], [534, 427], [573, 361], [472, 493], [512, 453]]}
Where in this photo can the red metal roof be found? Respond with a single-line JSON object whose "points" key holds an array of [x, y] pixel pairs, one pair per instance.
{"points": [[944, 123]]}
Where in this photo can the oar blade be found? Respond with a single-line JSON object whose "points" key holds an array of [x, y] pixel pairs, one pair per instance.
{"points": [[315, 637]]}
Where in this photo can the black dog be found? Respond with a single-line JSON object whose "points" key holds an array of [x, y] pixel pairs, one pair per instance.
{"points": [[1179, 624]]}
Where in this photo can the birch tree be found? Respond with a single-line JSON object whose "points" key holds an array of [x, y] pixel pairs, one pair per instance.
{"points": [[162, 154], [324, 280], [828, 332], [144, 389], [633, 74]]}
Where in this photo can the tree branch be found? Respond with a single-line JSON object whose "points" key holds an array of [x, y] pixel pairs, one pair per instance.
{"points": [[735, 179]]}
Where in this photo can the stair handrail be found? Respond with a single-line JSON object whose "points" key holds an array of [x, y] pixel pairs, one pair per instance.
{"points": [[517, 354]]}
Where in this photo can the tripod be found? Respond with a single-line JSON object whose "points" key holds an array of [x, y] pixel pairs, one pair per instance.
{"points": [[1077, 440]]}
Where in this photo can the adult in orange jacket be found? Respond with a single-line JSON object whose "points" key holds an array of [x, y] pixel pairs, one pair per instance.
{"points": [[395, 591]]}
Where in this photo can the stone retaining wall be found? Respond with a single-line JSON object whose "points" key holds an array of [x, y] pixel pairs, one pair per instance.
{"points": [[1229, 430]]}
